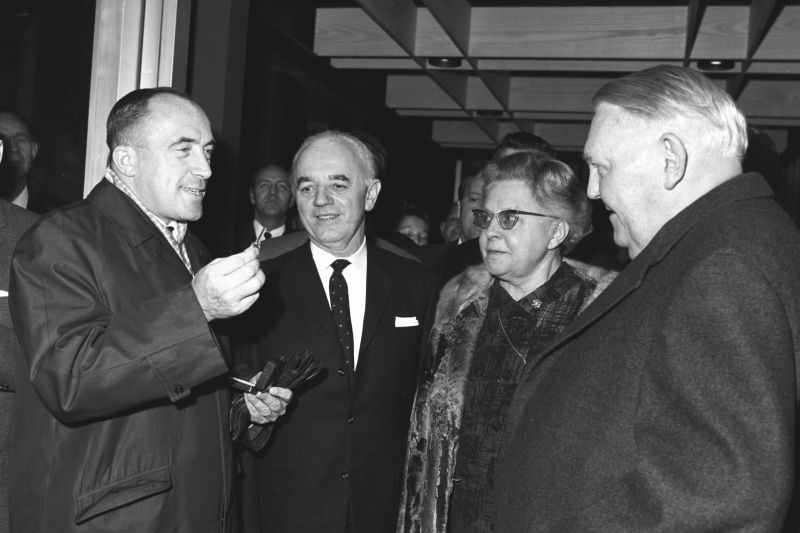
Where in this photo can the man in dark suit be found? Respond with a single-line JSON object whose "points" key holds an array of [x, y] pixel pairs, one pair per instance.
{"points": [[335, 464], [270, 194], [670, 403], [21, 152], [120, 423], [14, 221]]}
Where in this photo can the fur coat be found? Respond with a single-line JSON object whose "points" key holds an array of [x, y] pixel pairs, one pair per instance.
{"points": [[436, 417]]}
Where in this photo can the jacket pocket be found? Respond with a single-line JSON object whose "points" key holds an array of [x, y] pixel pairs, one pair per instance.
{"points": [[119, 493]]}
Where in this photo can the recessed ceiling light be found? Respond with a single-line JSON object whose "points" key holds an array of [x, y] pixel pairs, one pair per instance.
{"points": [[715, 64], [445, 62]]}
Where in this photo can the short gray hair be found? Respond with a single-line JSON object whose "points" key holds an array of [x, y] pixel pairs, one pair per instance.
{"points": [[666, 92], [363, 151], [552, 183]]}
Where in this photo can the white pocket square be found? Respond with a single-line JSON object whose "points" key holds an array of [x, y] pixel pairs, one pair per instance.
{"points": [[3, 294], [405, 321]]}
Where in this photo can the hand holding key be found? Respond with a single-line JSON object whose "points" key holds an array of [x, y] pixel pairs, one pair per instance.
{"points": [[228, 286]]}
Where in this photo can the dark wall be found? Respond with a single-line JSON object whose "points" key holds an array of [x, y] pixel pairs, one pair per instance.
{"points": [[45, 70]]}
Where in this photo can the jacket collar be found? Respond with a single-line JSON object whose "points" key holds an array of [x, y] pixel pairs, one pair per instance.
{"points": [[132, 222], [747, 186]]}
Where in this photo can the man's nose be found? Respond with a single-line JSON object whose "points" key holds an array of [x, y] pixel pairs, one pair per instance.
{"points": [[201, 167], [593, 187], [321, 196]]}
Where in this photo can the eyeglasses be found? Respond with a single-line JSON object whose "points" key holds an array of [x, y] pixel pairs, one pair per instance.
{"points": [[507, 219]]}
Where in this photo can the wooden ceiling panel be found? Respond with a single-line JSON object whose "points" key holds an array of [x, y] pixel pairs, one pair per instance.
{"points": [[571, 136], [375, 63], [574, 65], [634, 32], [419, 92], [479, 96], [432, 41], [460, 132], [771, 98], [553, 93], [783, 40], [539, 66], [722, 33], [350, 32], [441, 113]]}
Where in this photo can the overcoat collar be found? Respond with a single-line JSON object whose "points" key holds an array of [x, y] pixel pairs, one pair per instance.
{"points": [[134, 225], [742, 187]]}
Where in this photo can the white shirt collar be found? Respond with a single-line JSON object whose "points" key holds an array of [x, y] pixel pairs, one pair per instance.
{"points": [[22, 199], [277, 232], [323, 259]]}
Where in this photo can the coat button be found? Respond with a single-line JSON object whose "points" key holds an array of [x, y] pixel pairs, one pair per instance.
{"points": [[344, 475], [350, 420], [340, 371], [179, 389]]}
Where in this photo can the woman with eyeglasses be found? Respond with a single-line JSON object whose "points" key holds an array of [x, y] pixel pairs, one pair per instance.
{"points": [[491, 322]]}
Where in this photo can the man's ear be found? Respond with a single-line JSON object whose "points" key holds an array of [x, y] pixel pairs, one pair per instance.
{"points": [[34, 150], [124, 159], [675, 160], [560, 232], [251, 196], [373, 188]]}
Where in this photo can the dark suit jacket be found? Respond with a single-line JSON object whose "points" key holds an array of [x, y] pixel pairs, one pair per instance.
{"points": [[341, 446], [670, 403], [14, 221], [458, 257], [118, 427]]}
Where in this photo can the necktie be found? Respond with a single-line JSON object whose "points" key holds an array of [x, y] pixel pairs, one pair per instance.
{"points": [[340, 307]]}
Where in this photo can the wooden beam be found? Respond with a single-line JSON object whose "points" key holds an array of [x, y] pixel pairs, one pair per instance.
{"points": [[762, 15], [480, 97], [398, 18], [782, 41], [722, 33], [735, 85], [453, 83], [693, 18], [454, 17]]}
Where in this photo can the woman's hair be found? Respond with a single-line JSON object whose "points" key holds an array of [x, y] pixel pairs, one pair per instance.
{"points": [[553, 185]]}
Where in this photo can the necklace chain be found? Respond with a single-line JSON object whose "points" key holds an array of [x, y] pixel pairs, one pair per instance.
{"points": [[503, 328]]}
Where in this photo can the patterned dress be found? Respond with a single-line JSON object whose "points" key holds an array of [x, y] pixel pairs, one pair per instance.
{"points": [[512, 334]]}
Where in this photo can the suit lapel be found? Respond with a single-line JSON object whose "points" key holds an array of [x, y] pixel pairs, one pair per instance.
{"points": [[379, 288], [306, 285]]}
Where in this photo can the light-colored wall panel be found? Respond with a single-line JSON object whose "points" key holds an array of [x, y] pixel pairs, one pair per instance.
{"points": [[579, 32]]}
